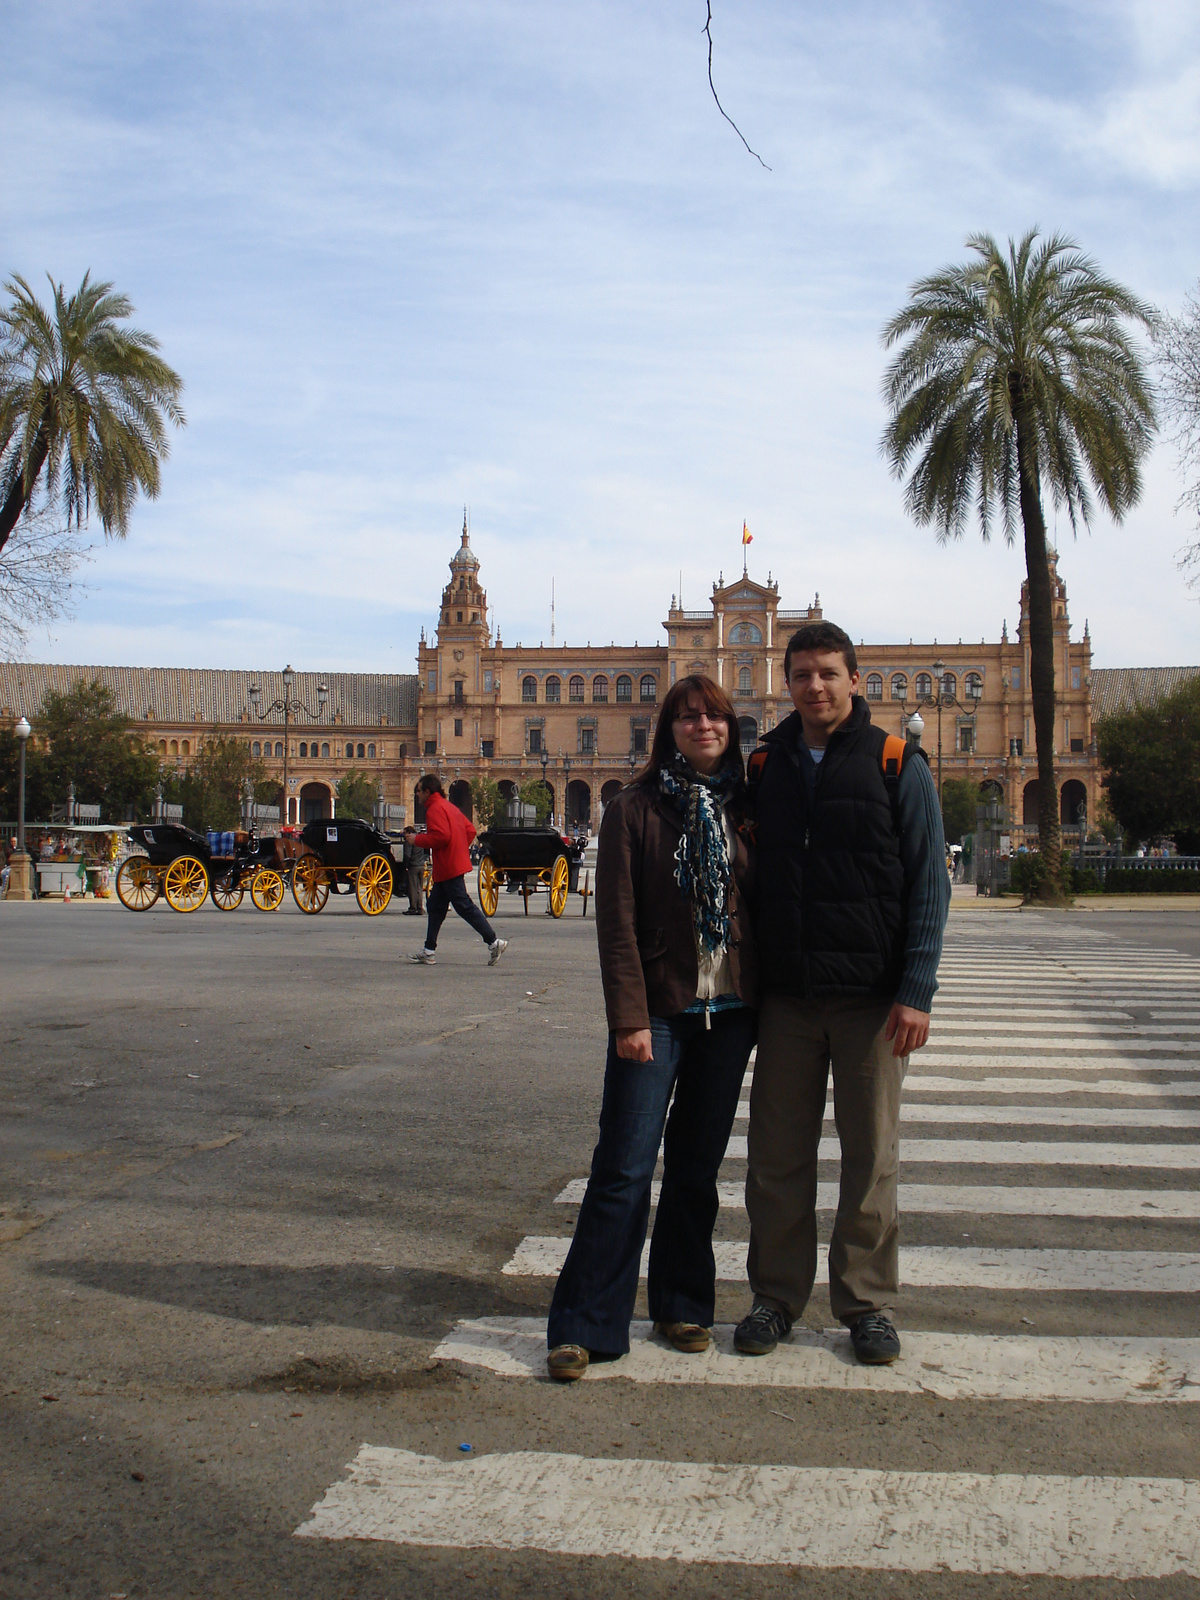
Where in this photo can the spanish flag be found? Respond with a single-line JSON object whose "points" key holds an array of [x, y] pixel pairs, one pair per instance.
{"points": [[747, 536]]}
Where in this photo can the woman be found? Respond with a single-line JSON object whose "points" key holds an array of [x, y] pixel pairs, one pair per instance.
{"points": [[677, 966], [448, 835]]}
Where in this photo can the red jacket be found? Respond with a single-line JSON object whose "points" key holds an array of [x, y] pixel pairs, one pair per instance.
{"points": [[447, 834]]}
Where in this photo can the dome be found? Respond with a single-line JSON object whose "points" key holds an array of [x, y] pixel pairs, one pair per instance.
{"points": [[464, 559]]}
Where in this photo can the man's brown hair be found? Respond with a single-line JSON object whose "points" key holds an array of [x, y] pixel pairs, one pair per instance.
{"points": [[825, 638]]}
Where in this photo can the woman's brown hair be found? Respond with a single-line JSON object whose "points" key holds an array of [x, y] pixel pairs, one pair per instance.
{"points": [[715, 701]]}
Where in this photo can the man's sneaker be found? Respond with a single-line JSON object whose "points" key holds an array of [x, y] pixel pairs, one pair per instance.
{"points": [[495, 951], [761, 1331], [875, 1340], [424, 958]]}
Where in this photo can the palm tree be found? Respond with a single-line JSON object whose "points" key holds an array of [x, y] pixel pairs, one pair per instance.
{"points": [[83, 405], [1018, 371]]}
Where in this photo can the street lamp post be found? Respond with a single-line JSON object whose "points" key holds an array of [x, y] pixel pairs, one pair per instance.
{"points": [[20, 886], [944, 699], [287, 704], [566, 761], [545, 786]]}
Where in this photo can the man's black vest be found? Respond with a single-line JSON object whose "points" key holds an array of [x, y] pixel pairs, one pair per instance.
{"points": [[830, 913]]}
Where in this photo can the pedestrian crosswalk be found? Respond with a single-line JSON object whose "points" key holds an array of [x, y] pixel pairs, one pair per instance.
{"points": [[1059, 1093]]}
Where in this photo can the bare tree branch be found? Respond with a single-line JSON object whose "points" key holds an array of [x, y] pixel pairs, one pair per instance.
{"points": [[1177, 341], [716, 97], [36, 568]]}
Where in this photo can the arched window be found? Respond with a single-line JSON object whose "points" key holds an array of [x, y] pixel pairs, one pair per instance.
{"points": [[162, 747], [743, 678], [256, 748], [174, 747], [361, 751], [370, 752], [553, 691], [575, 689], [974, 686], [899, 686], [648, 688], [949, 685], [874, 686], [304, 748], [624, 688], [186, 748], [529, 689], [745, 633], [924, 686], [349, 751], [600, 688], [279, 748], [324, 750]]}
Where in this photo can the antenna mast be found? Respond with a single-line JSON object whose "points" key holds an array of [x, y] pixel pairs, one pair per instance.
{"points": [[552, 613]]}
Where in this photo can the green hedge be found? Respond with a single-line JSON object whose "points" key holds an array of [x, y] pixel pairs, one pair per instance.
{"points": [[1151, 880], [1023, 875]]}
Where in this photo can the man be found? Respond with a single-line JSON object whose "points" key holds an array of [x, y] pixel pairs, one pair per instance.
{"points": [[851, 909], [448, 835], [415, 863]]}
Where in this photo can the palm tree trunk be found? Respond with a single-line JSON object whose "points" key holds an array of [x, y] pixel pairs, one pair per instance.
{"points": [[22, 490], [1041, 670]]}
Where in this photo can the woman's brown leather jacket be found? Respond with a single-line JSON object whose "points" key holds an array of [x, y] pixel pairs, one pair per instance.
{"points": [[644, 923]]}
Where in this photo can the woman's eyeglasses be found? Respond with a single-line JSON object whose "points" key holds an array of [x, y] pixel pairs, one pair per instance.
{"points": [[693, 719]]}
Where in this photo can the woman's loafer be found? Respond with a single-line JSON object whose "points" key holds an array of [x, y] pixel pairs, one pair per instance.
{"points": [[566, 1362], [690, 1337]]}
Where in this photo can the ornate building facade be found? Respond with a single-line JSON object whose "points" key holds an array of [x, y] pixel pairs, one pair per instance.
{"points": [[581, 719]]}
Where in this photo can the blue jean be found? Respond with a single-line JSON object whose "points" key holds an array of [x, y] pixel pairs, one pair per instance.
{"points": [[453, 892], [594, 1298]]}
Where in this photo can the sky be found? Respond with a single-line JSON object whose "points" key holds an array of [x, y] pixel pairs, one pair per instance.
{"points": [[409, 257]]}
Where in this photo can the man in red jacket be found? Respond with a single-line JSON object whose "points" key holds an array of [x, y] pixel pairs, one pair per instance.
{"points": [[448, 834]]}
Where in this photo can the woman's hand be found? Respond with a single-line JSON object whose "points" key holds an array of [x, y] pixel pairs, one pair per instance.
{"points": [[633, 1044]]}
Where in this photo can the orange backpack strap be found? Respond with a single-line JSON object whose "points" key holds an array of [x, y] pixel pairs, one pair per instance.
{"points": [[755, 765], [891, 759], [893, 755]]}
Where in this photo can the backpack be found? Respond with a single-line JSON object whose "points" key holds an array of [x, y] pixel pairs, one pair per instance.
{"points": [[891, 760]]}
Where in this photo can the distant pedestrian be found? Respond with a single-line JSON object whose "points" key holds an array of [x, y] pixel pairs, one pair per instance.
{"points": [[677, 966], [416, 861], [448, 835]]}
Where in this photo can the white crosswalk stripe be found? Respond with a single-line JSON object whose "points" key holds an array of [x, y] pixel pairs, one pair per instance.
{"points": [[1037, 1035], [1001, 1200], [952, 1366], [944, 1267]]}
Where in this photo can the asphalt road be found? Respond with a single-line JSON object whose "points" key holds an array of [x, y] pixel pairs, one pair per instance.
{"points": [[256, 1167]]}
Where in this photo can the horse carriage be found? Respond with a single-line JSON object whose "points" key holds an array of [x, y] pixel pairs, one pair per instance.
{"points": [[344, 851], [184, 867], [526, 858]]}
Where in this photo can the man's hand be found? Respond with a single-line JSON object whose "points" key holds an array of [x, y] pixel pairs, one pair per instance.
{"points": [[908, 1027], [633, 1044]]}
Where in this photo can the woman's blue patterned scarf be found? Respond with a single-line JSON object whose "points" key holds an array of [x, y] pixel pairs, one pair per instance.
{"points": [[702, 867]]}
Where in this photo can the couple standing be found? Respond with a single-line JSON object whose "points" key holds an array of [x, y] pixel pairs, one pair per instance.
{"points": [[806, 910]]}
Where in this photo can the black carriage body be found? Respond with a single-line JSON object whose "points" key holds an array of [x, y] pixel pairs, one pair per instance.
{"points": [[534, 849], [344, 843], [165, 842]]}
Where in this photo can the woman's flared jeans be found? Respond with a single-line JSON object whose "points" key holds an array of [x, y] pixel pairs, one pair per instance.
{"points": [[594, 1298]]}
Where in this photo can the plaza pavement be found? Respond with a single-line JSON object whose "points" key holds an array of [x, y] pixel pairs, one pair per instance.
{"points": [[280, 1211]]}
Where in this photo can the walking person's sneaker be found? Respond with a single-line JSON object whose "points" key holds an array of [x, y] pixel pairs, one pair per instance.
{"points": [[761, 1331], [693, 1338], [495, 951], [566, 1362], [424, 958], [875, 1340]]}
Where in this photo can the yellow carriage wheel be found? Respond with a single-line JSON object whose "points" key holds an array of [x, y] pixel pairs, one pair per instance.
{"points": [[310, 886], [185, 884], [266, 890], [226, 896], [489, 886], [373, 885], [137, 884], [560, 877]]}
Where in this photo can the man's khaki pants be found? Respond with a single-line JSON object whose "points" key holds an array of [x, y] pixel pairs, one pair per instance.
{"points": [[798, 1041]]}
